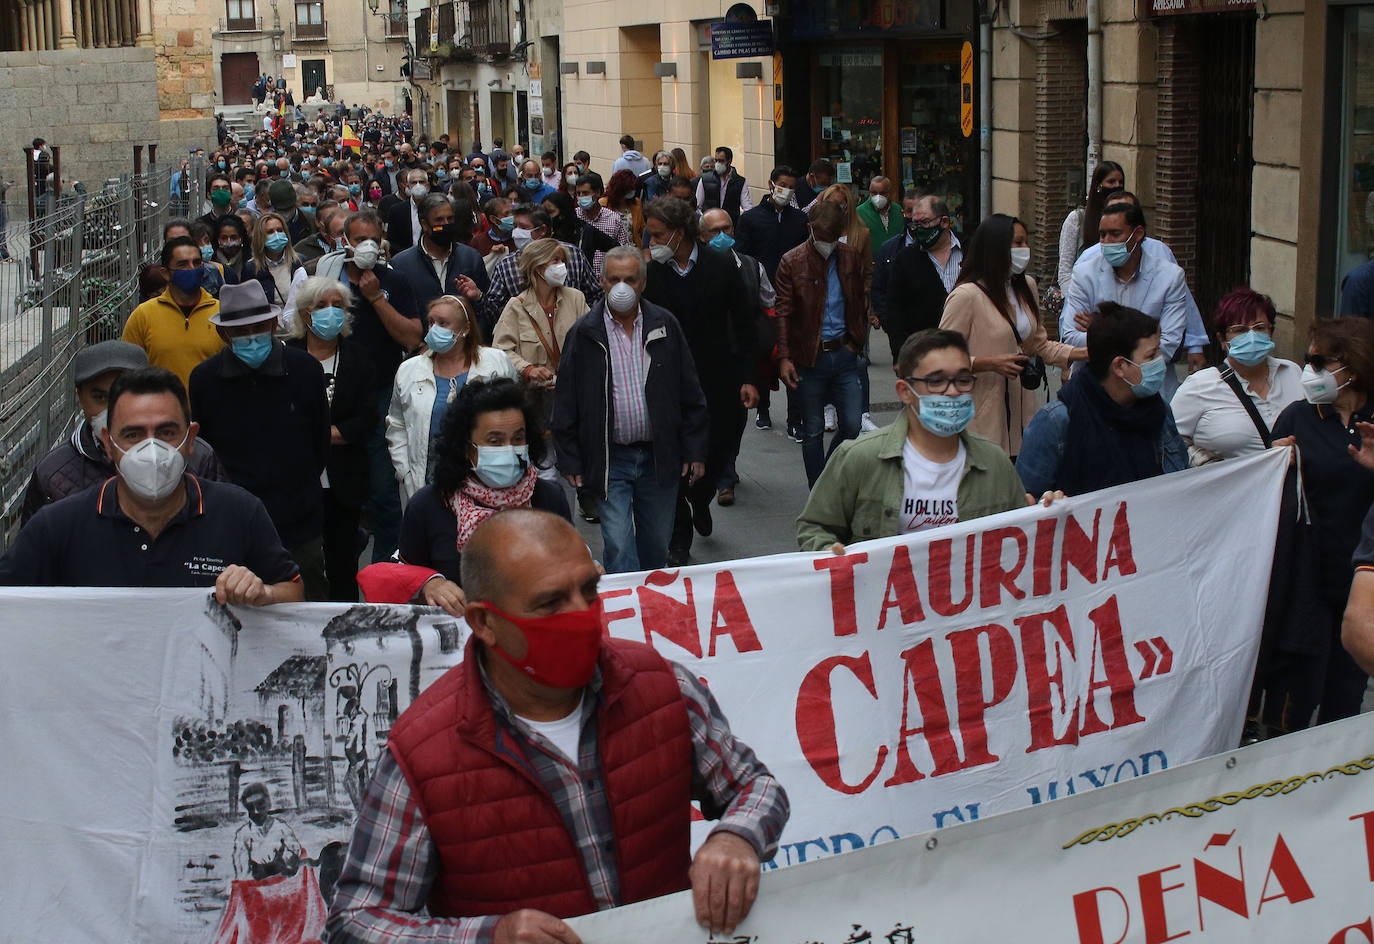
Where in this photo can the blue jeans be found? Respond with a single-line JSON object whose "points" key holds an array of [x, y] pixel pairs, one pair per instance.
{"points": [[636, 513], [386, 493], [834, 379]]}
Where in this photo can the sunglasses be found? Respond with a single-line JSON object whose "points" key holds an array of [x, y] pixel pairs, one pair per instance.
{"points": [[1319, 361]]}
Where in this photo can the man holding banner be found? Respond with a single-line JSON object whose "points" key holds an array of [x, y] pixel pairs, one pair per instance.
{"points": [[914, 475], [550, 774]]}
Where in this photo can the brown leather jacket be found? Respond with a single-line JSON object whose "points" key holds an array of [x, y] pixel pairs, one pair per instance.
{"points": [[801, 285]]}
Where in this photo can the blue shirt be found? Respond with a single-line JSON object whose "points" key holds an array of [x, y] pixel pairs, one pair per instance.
{"points": [[441, 402], [832, 326]]}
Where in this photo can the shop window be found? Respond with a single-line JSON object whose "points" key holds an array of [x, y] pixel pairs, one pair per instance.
{"points": [[931, 145], [1355, 237], [850, 96]]}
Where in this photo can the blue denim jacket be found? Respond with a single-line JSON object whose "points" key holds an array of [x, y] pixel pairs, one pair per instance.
{"points": [[1042, 446]]}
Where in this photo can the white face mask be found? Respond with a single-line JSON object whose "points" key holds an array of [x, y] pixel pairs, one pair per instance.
{"points": [[1020, 258], [622, 297], [521, 237], [418, 190], [98, 423], [665, 171], [1319, 386], [721, 167], [556, 274], [782, 196], [366, 254], [660, 252], [879, 202], [152, 469], [824, 248]]}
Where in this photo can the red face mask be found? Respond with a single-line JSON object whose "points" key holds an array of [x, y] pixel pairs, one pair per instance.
{"points": [[562, 648]]}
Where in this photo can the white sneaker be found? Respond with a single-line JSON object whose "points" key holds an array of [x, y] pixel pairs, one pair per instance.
{"points": [[830, 419], [866, 423]]}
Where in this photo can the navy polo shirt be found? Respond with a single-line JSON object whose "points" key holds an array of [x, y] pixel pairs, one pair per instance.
{"points": [[85, 540]]}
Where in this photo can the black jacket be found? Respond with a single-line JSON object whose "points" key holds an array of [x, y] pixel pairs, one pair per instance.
{"points": [[718, 317], [399, 232], [915, 296], [768, 236], [354, 411], [270, 427], [413, 266], [80, 462], [583, 399]]}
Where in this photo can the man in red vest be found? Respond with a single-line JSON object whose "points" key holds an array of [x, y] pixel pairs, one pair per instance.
{"points": [[550, 774]]}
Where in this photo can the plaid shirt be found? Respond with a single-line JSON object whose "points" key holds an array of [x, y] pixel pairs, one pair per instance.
{"points": [[393, 863], [613, 225], [629, 372], [505, 285]]}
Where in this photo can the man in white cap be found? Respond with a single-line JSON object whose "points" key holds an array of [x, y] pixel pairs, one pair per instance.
{"points": [[81, 462], [262, 405]]}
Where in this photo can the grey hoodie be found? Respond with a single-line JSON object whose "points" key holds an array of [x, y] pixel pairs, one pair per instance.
{"points": [[635, 161]]}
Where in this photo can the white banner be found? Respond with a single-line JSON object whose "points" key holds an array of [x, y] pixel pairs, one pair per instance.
{"points": [[1273, 844], [910, 684]]}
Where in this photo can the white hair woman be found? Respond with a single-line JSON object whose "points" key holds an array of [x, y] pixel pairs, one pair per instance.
{"points": [[324, 319]]}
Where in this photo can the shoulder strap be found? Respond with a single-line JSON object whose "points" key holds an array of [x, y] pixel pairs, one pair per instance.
{"points": [[553, 351], [1229, 376]]}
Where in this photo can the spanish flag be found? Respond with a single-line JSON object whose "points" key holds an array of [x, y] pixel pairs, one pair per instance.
{"points": [[348, 138]]}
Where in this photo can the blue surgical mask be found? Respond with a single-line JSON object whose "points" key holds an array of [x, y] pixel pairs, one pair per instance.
{"points": [[276, 242], [723, 241], [1117, 254], [501, 466], [441, 174], [586, 203], [326, 323], [327, 161], [439, 339], [507, 223], [253, 349], [354, 189], [1151, 376], [1251, 348], [187, 281], [390, 165], [533, 183], [945, 416], [207, 252]]}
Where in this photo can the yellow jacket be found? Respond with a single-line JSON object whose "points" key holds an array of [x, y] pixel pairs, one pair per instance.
{"points": [[173, 339]]}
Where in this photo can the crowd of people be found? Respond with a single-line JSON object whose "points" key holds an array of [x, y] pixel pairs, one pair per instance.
{"points": [[364, 338]]}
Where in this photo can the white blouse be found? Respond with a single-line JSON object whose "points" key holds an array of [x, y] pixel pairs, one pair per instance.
{"points": [[1216, 425]]}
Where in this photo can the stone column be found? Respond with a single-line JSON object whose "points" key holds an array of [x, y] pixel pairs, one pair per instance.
{"points": [[145, 22], [26, 28], [98, 31], [66, 37]]}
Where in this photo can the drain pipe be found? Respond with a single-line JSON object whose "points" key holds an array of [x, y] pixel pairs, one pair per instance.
{"points": [[1094, 85], [985, 115]]}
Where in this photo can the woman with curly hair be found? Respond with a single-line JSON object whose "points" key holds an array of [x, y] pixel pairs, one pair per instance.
{"points": [[620, 197], [490, 446]]}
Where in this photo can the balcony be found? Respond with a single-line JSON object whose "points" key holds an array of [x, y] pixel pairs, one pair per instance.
{"points": [[394, 26], [479, 29], [310, 33], [244, 25]]}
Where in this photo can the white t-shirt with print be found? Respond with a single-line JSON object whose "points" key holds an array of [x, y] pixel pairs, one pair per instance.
{"points": [[930, 497]]}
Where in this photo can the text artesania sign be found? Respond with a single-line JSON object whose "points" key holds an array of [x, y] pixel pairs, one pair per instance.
{"points": [[906, 685], [1273, 844]]}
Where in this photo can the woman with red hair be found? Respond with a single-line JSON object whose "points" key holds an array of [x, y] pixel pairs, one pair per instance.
{"points": [[1228, 411], [620, 197]]}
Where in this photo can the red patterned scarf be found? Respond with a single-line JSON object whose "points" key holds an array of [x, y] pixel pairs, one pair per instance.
{"points": [[476, 501]]}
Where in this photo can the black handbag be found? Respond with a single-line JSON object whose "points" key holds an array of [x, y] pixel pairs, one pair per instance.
{"points": [[1033, 373]]}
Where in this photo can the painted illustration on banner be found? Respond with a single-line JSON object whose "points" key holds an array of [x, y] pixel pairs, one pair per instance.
{"points": [[270, 772]]}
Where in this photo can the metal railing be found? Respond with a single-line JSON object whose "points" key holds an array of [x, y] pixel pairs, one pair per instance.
{"points": [[252, 24], [73, 282], [310, 31]]}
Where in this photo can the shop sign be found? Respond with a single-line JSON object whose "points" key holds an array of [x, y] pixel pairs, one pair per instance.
{"points": [[777, 90], [742, 40], [1177, 7], [966, 90]]}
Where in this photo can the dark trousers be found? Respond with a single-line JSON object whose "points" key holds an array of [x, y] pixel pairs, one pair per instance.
{"points": [[309, 557], [727, 426], [794, 416], [341, 548], [386, 494]]}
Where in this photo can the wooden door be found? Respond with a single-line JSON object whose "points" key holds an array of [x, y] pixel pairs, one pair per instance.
{"points": [[238, 71]]}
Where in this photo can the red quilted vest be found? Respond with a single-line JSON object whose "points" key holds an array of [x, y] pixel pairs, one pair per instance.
{"points": [[502, 843]]}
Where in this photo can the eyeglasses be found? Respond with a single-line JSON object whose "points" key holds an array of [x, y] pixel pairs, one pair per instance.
{"points": [[1319, 361], [1235, 331], [934, 221], [939, 383]]}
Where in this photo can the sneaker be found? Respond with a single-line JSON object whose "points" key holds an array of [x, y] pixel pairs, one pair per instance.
{"points": [[587, 508], [794, 433], [763, 420], [866, 423], [831, 420]]}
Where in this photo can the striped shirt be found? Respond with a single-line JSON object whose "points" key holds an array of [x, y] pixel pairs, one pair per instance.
{"points": [[629, 371], [392, 862], [610, 223]]}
